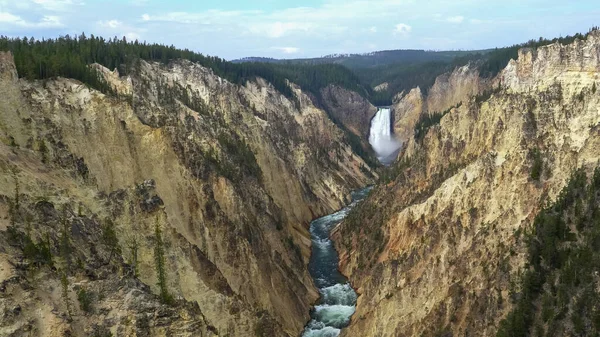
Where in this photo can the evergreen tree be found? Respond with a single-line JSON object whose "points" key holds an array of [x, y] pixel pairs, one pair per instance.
{"points": [[109, 239], [72, 56], [65, 240], [159, 261], [64, 282], [134, 248]]}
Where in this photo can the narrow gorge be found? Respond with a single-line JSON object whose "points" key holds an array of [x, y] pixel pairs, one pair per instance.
{"points": [[338, 299]]}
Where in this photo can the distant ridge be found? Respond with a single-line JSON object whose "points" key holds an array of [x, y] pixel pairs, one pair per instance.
{"points": [[257, 59], [371, 59]]}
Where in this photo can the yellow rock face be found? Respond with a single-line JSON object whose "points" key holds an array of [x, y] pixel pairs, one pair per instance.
{"points": [[173, 149], [448, 90], [447, 247]]}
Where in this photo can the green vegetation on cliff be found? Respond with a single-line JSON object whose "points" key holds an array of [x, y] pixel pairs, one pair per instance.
{"points": [[405, 75], [159, 264], [71, 56], [557, 295], [428, 120], [497, 59], [402, 77]]}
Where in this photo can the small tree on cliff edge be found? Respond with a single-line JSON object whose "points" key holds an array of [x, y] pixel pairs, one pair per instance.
{"points": [[109, 239], [159, 260]]}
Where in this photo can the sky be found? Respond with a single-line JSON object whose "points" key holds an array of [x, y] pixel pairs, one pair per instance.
{"points": [[311, 28]]}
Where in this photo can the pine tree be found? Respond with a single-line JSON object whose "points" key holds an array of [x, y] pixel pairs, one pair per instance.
{"points": [[65, 239], [159, 260], [134, 248], [64, 281], [109, 239], [17, 193], [43, 151], [14, 205]]}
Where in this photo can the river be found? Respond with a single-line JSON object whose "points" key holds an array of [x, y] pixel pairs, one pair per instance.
{"points": [[338, 300]]}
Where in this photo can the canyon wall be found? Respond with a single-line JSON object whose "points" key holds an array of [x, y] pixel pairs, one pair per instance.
{"points": [[448, 90], [350, 108], [434, 251], [228, 175]]}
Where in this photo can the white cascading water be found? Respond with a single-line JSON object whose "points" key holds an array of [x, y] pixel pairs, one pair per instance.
{"points": [[381, 137], [338, 300]]}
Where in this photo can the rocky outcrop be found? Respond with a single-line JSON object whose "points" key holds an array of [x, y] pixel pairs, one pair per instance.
{"points": [[443, 238], [382, 87], [406, 112], [102, 293], [452, 88], [448, 90], [231, 174], [350, 108]]}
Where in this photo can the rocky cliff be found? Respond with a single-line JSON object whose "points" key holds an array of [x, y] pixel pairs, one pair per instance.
{"points": [[448, 90], [435, 251], [222, 178], [350, 108]]}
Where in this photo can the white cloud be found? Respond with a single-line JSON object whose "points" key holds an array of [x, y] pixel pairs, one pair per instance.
{"points": [[455, 19], [47, 21], [334, 17], [131, 36], [50, 21], [255, 22], [119, 28], [287, 50], [57, 5], [10, 18], [479, 21], [206, 17], [110, 24], [15, 5], [280, 29], [402, 29], [319, 28]]}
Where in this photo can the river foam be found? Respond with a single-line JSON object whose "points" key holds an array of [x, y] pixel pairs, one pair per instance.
{"points": [[338, 300]]}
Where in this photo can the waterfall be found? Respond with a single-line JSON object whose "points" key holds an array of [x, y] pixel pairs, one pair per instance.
{"points": [[381, 137]]}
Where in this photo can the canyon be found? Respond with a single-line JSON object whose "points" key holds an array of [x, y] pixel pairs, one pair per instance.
{"points": [[183, 203]]}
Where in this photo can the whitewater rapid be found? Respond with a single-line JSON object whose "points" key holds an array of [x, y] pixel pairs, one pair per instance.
{"points": [[381, 137], [338, 300]]}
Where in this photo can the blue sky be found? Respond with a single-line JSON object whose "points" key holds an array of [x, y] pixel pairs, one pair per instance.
{"points": [[286, 29]]}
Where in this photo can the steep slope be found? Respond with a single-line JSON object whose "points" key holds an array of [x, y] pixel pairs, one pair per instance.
{"points": [[448, 90], [435, 251], [558, 291], [350, 108], [230, 174]]}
